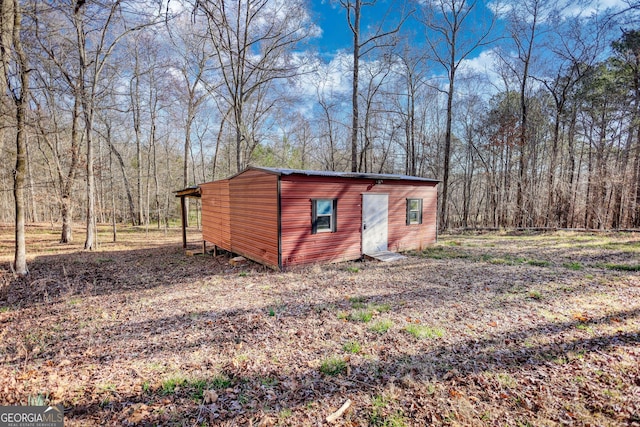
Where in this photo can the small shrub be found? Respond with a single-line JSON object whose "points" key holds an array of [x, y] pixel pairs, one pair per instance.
{"points": [[268, 381], [622, 267], [357, 302], [342, 315], [361, 315], [573, 265], [506, 380], [423, 331], [382, 416], [333, 366], [352, 347], [220, 381], [170, 384], [353, 269], [538, 263], [198, 386], [381, 308], [381, 326], [535, 295]]}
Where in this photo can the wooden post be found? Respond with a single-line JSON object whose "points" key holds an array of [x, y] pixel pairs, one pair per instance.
{"points": [[204, 247], [183, 211]]}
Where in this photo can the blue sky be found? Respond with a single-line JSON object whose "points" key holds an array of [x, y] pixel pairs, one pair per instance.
{"points": [[331, 18]]}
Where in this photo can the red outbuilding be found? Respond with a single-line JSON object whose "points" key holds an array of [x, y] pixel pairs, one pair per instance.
{"points": [[286, 217]]}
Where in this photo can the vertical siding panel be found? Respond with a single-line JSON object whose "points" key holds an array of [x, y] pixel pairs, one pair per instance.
{"points": [[254, 216], [216, 227]]}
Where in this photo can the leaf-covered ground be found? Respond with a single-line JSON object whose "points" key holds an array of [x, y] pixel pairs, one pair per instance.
{"points": [[493, 329]]}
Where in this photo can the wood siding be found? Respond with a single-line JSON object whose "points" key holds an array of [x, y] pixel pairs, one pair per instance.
{"points": [[254, 216], [299, 246], [216, 213]]}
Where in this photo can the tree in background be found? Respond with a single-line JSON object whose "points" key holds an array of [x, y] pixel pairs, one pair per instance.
{"points": [[361, 47], [15, 80], [627, 61], [254, 43], [458, 37]]}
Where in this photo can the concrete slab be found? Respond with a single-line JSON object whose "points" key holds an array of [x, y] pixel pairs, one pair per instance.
{"points": [[385, 256]]}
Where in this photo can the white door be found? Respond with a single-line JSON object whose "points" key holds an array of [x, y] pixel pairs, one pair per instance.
{"points": [[375, 213]]}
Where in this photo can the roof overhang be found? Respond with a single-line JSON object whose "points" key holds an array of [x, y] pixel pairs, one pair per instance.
{"points": [[189, 192], [352, 175]]}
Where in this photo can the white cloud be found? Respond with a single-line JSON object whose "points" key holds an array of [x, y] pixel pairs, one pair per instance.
{"points": [[483, 64], [329, 78], [568, 9]]}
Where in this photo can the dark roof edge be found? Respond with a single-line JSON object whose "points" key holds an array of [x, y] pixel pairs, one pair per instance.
{"points": [[355, 175]]}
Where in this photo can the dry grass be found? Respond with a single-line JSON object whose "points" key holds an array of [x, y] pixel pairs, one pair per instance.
{"points": [[513, 334]]}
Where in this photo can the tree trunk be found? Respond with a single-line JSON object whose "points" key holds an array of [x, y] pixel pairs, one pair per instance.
{"points": [[444, 213], [354, 94], [21, 100]]}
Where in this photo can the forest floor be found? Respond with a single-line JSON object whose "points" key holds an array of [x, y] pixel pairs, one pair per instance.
{"points": [[480, 329]]}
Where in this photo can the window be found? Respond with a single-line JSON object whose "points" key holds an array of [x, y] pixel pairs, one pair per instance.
{"points": [[323, 215], [414, 211]]}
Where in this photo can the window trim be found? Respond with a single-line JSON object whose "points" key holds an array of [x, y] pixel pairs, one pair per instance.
{"points": [[409, 210], [332, 217]]}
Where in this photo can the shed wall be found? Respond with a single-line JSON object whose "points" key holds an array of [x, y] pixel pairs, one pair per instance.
{"points": [[299, 246], [216, 213], [254, 216]]}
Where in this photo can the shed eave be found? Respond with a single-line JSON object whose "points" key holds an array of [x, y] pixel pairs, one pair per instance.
{"points": [[189, 192], [353, 175]]}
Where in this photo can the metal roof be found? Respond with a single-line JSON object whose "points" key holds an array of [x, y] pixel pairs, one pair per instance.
{"points": [[355, 175]]}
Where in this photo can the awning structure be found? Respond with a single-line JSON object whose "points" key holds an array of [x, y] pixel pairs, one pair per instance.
{"points": [[187, 192]]}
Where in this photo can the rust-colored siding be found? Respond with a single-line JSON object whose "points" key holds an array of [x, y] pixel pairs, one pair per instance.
{"points": [[299, 246], [254, 216], [216, 214]]}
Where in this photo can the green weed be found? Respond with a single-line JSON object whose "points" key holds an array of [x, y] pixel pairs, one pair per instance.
{"points": [[535, 295], [381, 308], [538, 263], [220, 381], [170, 385], [333, 366], [197, 386], [622, 267], [573, 265], [352, 347], [381, 416], [381, 326], [361, 315], [268, 381], [423, 331], [357, 302], [285, 413]]}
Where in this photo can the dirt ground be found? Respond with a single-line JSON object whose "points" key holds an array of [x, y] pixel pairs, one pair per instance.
{"points": [[481, 329]]}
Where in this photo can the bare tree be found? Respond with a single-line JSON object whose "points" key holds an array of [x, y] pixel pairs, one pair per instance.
{"points": [[15, 78], [95, 46], [527, 21], [361, 47], [254, 43], [450, 20]]}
